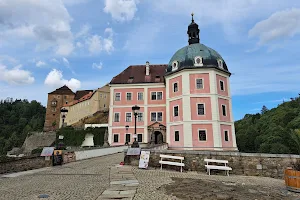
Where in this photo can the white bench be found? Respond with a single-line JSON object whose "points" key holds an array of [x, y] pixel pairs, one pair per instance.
{"points": [[164, 162], [209, 167]]}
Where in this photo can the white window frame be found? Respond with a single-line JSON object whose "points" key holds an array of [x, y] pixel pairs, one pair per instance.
{"points": [[175, 63], [142, 117], [142, 96], [126, 116], [162, 95], [151, 116], [116, 96], [161, 116], [175, 135], [114, 137], [115, 116], [223, 85], [174, 86], [204, 109], [137, 139], [130, 96], [197, 84], [174, 111], [205, 135], [198, 64], [227, 135], [220, 64], [225, 110], [129, 137]]}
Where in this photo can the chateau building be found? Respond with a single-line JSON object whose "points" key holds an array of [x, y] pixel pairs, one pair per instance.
{"points": [[77, 105], [185, 103]]}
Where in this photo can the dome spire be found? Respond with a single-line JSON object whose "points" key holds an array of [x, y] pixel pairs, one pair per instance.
{"points": [[193, 32]]}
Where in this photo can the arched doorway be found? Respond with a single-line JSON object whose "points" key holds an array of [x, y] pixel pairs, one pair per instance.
{"points": [[158, 137]]}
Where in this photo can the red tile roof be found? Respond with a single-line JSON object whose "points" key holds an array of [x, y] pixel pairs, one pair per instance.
{"points": [[81, 93], [62, 90], [85, 97], [137, 74]]}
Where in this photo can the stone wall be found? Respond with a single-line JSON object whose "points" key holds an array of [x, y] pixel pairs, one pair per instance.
{"points": [[249, 164], [21, 164]]}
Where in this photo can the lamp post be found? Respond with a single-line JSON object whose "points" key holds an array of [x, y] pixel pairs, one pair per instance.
{"points": [[126, 127], [135, 110]]}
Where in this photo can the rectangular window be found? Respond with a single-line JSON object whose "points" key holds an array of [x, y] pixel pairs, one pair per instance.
{"points": [[140, 117], [118, 96], [201, 109], [159, 116], [153, 95], [140, 96], [128, 117], [224, 110], [199, 83], [127, 137], [65, 97], [202, 135], [104, 105], [116, 138], [222, 85], [128, 96], [176, 110], [117, 117], [226, 138], [53, 109], [175, 87], [140, 137], [159, 95], [176, 136], [104, 96], [100, 95], [153, 116]]}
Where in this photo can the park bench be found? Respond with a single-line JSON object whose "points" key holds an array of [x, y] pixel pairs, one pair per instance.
{"points": [[165, 162], [218, 167]]}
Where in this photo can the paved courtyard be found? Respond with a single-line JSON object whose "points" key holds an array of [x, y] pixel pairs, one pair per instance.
{"points": [[99, 178]]}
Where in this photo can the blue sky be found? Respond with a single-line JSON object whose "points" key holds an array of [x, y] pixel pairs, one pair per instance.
{"points": [[84, 43]]}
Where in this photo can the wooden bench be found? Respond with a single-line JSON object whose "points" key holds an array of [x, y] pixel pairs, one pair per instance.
{"points": [[165, 162], [209, 167]]}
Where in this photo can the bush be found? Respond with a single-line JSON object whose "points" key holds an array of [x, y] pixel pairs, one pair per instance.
{"points": [[37, 151]]}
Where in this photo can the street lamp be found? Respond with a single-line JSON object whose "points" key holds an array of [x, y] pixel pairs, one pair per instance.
{"points": [[126, 127], [135, 110]]}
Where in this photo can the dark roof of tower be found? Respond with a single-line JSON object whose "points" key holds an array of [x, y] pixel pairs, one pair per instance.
{"points": [[81, 93], [137, 74], [62, 90]]}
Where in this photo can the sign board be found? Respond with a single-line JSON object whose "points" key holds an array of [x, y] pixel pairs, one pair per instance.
{"points": [[133, 151], [57, 152], [144, 159], [61, 137], [47, 151]]}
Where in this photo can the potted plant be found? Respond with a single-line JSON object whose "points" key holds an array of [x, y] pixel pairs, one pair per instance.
{"points": [[292, 177]]}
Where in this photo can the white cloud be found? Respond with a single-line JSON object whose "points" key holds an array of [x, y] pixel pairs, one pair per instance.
{"points": [[16, 75], [55, 79], [84, 30], [97, 66], [66, 62], [79, 44], [54, 60], [280, 25], [74, 2], [46, 23], [121, 10], [96, 43], [40, 63]]}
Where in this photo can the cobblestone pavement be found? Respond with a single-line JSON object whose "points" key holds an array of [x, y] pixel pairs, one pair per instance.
{"points": [[83, 180]]}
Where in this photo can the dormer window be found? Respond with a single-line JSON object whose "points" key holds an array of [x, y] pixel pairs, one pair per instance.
{"points": [[174, 65], [220, 64], [198, 61]]}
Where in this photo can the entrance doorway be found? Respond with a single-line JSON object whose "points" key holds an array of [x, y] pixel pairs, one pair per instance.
{"points": [[158, 137]]}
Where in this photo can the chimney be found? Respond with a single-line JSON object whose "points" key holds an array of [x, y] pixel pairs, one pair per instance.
{"points": [[147, 68]]}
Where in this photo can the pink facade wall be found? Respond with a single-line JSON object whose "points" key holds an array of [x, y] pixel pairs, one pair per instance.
{"points": [[174, 143], [226, 103], [123, 112], [163, 90], [177, 80], [207, 108], [122, 133], [123, 100], [223, 129], [177, 102], [157, 109], [209, 135], [193, 86], [224, 79]]}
